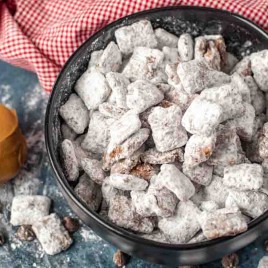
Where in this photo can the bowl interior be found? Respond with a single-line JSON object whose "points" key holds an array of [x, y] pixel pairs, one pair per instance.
{"points": [[242, 38]]}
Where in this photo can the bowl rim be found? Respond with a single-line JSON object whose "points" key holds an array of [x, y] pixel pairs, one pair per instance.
{"points": [[61, 179]]}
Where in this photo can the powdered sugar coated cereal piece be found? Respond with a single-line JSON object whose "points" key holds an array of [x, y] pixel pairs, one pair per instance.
{"points": [[137, 34], [98, 135], [200, 47], [170, 55], [241, 87], [157, 236], [167, 131], [164, 38], [222, 222], [263, 147], [70, 162], [94, 60], [259, 66], [110, 110], [212, 56], [201, 174], [67, 132], [145, 171], [196, 75], [93, 169], [144, 64], [118, 83], [142, 95], [27, 209], [155, 157], [171, 71], [75, 114], [226, 147], [124, 166], [186, 47], [251, 203], [145, 204], [126, 182], [209, 206], [199, 237], [216, 191], [244, 176], [89, 192], [231, 61], [121, 213], [202, 117], [52, 235], [243, 67], [198, 149], [176, 182], [109, 192], [245, 124], [127, 148], [256, 95], [111, 59], [124, 127], [228, 97], [92, 88], [183, 225]]}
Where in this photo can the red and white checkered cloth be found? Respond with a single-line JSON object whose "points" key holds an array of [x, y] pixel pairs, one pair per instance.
{"points": [[40, 35]]}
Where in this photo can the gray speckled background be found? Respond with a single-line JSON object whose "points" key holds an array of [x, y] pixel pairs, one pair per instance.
{"points": [[19, 89]]}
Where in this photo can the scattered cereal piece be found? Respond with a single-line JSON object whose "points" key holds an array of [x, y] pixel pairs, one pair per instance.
{"points": [[164, 38], [98, 135], [142, 95], [183, 225], [209, 117], [259, 66], [222, 222], [124, 127], [70, 224], [120, 258], [75, 114], [25, 233], [27, 209], [176, 182], [89, 192], [152, 156], [111, 59], [52, 235], [92, 82], [186, 47], [138, 34], [70, 162], [126, 182], [168, 133], [198, 149], [251, 203], [244, 176], [118, 83], [121, 213], [230, 261]]}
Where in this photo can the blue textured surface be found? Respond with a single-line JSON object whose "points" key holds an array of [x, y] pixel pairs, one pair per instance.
{"points": [[19, 89]]}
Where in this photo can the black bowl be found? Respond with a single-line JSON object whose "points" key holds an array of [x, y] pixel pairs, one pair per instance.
{"points": [[242, 37]]}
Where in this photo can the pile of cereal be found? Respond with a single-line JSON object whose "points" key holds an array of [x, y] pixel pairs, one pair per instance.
{"points": [[166, 135]]}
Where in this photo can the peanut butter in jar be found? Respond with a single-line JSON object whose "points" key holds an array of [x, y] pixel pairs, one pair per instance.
{"points": [[13, 149]]}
